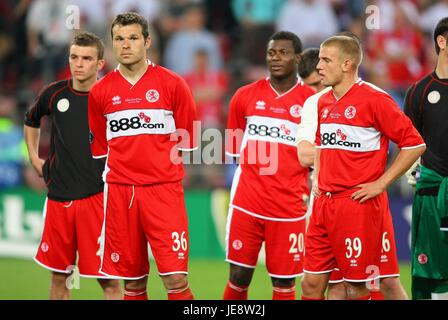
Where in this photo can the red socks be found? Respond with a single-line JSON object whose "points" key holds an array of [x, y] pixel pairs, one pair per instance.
{"points": [[233, 292], [376, 295], [284, 293], [180, 294], [135, 295]]}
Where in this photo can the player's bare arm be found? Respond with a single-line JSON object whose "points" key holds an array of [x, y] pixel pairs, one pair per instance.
{"points": [[306, 152], [32, 138], [315, 187], [401, 164]]}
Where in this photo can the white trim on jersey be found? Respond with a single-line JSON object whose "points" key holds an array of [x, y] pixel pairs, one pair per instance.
{"points": [[335, 281], [389, 275], [308, 123], [149, 121], [443, 229], [227, 236], [106, 166], [188, 149], [372, 86], [362, 280], [133, 84], [174, 272], [286, 132], [414, 147], [232, 154], [124, 278], [358, 81], [44, 213], [50, 268], [350, 138], [285, 277], [285, 93], [236, 179], [267, 218], [318, 272], [99, 157], [103, 228], [97, 277], [240, 264]]}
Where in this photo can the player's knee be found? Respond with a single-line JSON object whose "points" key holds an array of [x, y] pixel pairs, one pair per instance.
{"points": [[175, 281], [312, 287], [283, 283], [59, 279], [136, 285], [356, 290], [240, 276], [109, 284], [391, 286], [336, 291]]}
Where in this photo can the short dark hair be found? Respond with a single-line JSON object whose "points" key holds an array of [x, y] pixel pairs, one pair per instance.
{"points": [[128, 18], [440, 30], [286, 35], [308, 63], [88, 39]]}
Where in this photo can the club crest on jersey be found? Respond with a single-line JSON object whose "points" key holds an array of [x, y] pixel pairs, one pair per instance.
{"points": [[152, 95], [422, 258], [116, 100], [44, 247], [350, 112], [115, 257], [63, 105], [296, 111], [237, 244], [434, 97], [260, 105]]}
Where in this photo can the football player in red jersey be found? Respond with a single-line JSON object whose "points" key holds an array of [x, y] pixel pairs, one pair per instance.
{"points": [[74, 208], [268, 197], [356, 120], [141, 116]]}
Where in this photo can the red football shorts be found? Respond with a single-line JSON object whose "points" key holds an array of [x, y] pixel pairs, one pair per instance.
{"points": [[389, 261], [136, 215], [69, 227], [284, 243], [357, 239]]}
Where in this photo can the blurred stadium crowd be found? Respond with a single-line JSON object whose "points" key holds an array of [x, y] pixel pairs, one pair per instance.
{"points": [[216, 45]]}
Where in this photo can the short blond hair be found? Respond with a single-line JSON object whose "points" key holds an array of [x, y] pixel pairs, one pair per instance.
{"points": [[349, 46]]}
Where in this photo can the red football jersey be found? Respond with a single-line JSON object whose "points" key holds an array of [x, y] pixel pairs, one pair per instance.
{"points": [[138, 126], [270, 182], [353, 135]]}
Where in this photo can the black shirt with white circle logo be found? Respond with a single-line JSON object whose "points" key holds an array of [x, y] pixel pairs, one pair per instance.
{"points": [[70, 172], [426, 104]]}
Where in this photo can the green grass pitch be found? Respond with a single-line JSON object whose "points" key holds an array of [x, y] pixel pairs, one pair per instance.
{"points": [[24, 279]]}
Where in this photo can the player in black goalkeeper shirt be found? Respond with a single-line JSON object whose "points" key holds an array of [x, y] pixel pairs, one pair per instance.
{"points": [[73, 211], [426, 104]]}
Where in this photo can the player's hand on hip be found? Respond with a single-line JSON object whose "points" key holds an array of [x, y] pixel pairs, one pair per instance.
{"points": [[38, 164], [368, 191]]}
